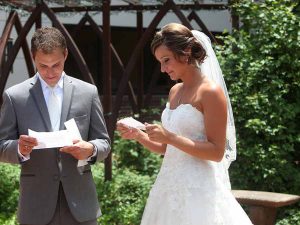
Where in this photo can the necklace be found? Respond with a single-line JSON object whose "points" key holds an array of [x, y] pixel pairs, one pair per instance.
{"points": [[191, 87]]}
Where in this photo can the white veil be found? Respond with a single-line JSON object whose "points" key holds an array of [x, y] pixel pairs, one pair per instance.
{"points": [[211, 69]]}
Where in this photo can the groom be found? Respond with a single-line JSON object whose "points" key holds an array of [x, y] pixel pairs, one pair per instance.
{"points": [[52, 191]]}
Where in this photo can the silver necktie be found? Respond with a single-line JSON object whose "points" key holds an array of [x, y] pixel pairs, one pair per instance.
{"points": [[54, 110]]}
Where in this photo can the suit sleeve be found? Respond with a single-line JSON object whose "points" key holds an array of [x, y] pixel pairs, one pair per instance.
{"points": [[8, 132], [98, 134]]}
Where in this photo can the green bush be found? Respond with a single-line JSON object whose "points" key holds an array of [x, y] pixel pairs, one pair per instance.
{"points": [[9, 191], [12, 220], [262, 70], [123, 198], [128, 154], [290, 217]]}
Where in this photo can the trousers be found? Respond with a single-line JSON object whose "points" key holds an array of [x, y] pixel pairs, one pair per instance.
{"points": [[63, 215]]}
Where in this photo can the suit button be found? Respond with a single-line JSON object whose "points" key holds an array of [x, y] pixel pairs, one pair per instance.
{"points": [[55, 177]]}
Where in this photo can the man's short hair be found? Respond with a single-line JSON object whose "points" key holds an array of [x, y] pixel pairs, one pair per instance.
{"points": [[47, 39]]}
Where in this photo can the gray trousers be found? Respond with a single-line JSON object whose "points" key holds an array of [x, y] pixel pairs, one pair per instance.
{"points": [[63, 215]]}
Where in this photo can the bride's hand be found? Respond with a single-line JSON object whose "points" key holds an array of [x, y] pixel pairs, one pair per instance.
{"points": [[157, 133], [128, 132]]}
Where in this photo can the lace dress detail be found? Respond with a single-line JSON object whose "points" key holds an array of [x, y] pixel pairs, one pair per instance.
{"points": [[187, 190]]}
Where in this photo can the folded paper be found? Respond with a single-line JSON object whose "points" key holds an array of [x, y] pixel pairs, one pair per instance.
{"points": [[54, 139]]}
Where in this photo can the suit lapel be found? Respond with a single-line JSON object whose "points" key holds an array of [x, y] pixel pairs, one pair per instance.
{"points": [[38, 96], [67, 98]]}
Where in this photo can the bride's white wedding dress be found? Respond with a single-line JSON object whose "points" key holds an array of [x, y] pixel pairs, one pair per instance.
{"points": [[190, 191]]}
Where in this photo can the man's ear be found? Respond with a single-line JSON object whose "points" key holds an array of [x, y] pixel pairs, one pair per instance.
{"points": [[66, 53], [32, 55]]}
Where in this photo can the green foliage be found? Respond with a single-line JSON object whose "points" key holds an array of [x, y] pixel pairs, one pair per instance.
{"points": [[123, 199], [12, 220], [262, 71], [129, 154], [291, 217], [9, 191]]}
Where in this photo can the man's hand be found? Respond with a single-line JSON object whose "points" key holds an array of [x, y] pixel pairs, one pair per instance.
{"points": [[26, 144], [80, 150]]}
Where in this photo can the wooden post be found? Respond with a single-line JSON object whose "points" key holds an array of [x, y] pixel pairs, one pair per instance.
{"points": [[261, 215], [38, 21], [140, 70], [107, 94], [235, 23]]}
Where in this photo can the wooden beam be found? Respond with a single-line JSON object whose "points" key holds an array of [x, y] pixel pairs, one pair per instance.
{"points": [[82, 65], [194, 16], [140, 7], [133, 5], [140, 64], [15, 49]]}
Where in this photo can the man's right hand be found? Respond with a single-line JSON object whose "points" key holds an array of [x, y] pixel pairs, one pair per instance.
{"points": [[26, 144]]}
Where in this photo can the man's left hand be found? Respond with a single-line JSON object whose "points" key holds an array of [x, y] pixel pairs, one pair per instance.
{"points": [[80, 150]]}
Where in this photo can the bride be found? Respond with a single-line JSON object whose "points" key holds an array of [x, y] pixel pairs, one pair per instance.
{"points": [[197, 136]]}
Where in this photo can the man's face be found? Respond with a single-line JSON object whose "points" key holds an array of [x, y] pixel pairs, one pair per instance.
{"points": [[50, 66]]}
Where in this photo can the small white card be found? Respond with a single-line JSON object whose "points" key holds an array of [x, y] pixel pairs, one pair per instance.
{"points": [[75, 134], [131, 122]]}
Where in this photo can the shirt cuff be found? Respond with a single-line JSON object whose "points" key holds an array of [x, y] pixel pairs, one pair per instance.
{"points": [[89, 159], [94, 154], [22, 157]]}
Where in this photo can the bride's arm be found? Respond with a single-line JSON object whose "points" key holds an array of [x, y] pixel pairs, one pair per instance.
{"points": [[214, 108], [141, 137]]}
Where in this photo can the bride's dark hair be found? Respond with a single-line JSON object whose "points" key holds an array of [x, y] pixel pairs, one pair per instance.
{"points": [[181, 41]]}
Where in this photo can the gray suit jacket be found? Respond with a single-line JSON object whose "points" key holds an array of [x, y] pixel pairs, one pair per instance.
{"points": [[24, 108]]}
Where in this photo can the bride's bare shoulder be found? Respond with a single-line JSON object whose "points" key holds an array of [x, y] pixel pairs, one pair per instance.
{"points": [[209, 89], [209, 86], [175, 89]]}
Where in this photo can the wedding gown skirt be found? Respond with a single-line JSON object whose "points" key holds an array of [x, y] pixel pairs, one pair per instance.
{"points": [[190, 191]]}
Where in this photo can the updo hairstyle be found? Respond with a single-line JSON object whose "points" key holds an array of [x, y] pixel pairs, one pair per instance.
{"points": [[179, 39]]}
